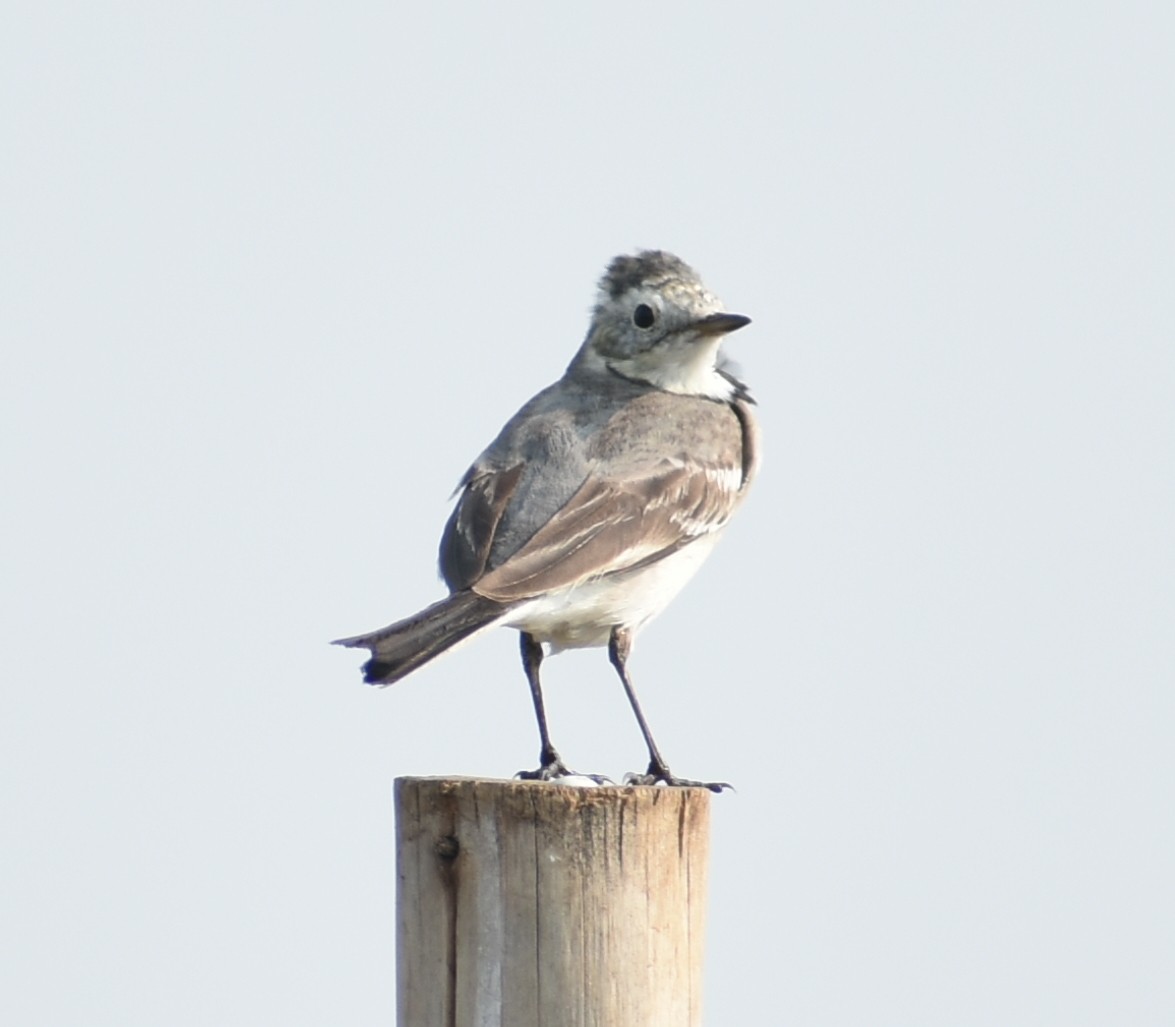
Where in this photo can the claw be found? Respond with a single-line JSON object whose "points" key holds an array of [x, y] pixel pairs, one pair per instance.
{"points": [[660, 774], [556, 770], [547, 772]]}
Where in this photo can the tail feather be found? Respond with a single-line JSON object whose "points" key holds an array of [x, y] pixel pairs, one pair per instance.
{"points": [[401, 648]]}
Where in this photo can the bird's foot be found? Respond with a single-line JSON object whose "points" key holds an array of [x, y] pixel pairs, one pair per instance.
{"points": [[659, 773], [552, 768]]}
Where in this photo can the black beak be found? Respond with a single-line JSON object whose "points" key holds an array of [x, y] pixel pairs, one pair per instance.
{"points": [[720, 324]]}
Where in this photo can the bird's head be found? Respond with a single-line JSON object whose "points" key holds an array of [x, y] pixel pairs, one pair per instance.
{"points": [[656, 323]]}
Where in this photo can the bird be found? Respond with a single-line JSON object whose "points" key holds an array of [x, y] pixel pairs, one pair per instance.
{"points": [[599, 499]]}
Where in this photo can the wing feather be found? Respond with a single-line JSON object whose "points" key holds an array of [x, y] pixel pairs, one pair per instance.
{"points": [[615, 525], [553, 503], [470, 533]]}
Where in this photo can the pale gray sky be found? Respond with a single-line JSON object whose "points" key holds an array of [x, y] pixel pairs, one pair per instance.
{"points": [[272, 275]]}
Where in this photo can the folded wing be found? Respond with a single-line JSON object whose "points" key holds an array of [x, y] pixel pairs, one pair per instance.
{"points": [[611, 525]]}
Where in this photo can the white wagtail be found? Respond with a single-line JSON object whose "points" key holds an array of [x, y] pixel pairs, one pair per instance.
{"points": [[600, 498]]}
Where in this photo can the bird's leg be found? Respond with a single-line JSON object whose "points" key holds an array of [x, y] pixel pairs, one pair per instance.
{"points": [[550, 764], [619, 648]]}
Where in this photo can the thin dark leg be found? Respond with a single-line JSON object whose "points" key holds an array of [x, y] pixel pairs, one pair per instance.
{"points": [[532, 659], [551, 765], [619, 648]]}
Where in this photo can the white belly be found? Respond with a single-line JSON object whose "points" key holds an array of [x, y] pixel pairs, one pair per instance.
{"points": [[585, 615]]}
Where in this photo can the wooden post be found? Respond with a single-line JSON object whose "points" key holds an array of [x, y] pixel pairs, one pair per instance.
{"points": [[526, 904]]}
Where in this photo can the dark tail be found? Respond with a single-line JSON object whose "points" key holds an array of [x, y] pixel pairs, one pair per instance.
{"points": [[400, 648]]}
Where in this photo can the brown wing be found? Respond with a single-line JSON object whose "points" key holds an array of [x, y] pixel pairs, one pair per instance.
{"points": [[615, 525], [470, 533]]}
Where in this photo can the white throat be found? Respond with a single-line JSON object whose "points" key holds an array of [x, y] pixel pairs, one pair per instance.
{"points": [[690, 370]]}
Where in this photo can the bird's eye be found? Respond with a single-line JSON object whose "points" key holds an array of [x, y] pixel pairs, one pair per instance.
{"points": [[644, 316]]}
